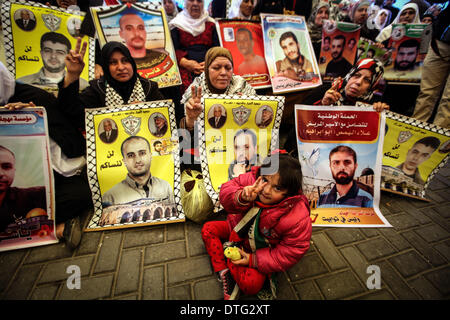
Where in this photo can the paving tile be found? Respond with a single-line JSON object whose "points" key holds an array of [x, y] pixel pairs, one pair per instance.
{"points": [[341, 236], [425, 289], [49, 252], [402, 221], [195, 242], [308, 290], [444, 211], [175, 231], [440, 279], [9, 262], [328, 252], [210, 289], [431, 255], [129, 271], [409, 263], [339, 285], [143, 236], [165, 252], [444, 249], [432, 233], [89, 243], [284, 288], [377, 295], [46, 292], [189, 269], [369, 232], [375, 249], [109, 252], [153, 284], [395, 239], [92, 288], [394, 281], [23, 283], [357, 261], [308, 266], [180, 293], [57, 271]]}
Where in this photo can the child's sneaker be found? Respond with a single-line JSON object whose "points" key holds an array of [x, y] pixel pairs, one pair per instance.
{"points": [[230, 288]]}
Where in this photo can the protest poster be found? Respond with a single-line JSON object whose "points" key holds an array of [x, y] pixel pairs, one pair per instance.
{"points": [[244, 40], [289, 53], [133, 165], [368, 49], [143, 28], [413, 153], [236, 133], [340, 150], [339, 48], [37, 40], [406, 56], [27, 205]]}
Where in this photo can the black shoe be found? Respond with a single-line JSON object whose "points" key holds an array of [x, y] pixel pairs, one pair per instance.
{"points": [[230, 288], [72, 232]]}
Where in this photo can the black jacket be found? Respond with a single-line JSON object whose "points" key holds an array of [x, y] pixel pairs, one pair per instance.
{"points": [[73, 103]]}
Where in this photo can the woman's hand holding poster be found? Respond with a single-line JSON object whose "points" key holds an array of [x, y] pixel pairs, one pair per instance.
{"points": [[340, 150], [133, 165], [413, 152], [37, 40]]}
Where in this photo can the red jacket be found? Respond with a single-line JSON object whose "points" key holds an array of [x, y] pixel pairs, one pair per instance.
{"points": [[286, 225]]}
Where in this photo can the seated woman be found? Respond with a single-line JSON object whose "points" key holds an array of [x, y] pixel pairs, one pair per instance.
{"points": [[358, 14], [120, 84], [218, 78], [360, 86], [409, 13], [315, 22], [242, 9], [193, 32]]}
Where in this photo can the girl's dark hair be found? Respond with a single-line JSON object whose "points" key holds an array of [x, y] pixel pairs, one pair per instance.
{"points": [[288, 168]]}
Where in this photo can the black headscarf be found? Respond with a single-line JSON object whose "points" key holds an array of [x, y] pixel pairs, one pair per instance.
{"points": [[124, 89]]}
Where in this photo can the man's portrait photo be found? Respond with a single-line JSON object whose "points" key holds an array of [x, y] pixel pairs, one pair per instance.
{"points": [[351, 44], [157, 148], [54, 48], [139, 183], [263, 117], [294, 65], [107, 131], [245, 146], [25, 19], [338, 66], [217, 116], [416, 155], [253, 63], [157, 124], [326, 44], [345, 192], [406, 56], [17, 203], [132, 31]]}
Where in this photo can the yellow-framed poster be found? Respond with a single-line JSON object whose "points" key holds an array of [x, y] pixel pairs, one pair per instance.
{"points": [[37, 40], [133, 165]]}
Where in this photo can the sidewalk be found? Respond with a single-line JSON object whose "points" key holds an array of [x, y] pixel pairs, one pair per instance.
{"points": [[170, 261]]}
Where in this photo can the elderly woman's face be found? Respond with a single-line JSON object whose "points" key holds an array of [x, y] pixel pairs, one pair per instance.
{"points": [[119, 67], [359, 83], [246, 7], [194, 8], [361, 15], [321, 14], [220, 73]]}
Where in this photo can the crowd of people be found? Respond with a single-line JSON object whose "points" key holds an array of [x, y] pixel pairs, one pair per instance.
{"points": [[205, 67]]}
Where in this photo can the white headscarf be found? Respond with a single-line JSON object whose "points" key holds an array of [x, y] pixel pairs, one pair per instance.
{"points": [[235, 10], [185, 22], [174, 13], [7, 85], [386, 32]]}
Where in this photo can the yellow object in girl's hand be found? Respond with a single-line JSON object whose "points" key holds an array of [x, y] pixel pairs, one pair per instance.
{"points": [[232, 253]]}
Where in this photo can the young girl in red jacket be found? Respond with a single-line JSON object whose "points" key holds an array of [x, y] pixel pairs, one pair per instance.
{"points": [[268, 220]]}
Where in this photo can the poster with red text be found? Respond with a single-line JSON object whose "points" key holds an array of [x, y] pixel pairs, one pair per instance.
{"points": [[340, 150]]}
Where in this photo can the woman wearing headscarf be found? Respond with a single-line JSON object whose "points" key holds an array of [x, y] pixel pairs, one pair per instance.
{"points": [[409, 13], [315, 23], [381, 19], [193, 32], [171, 9], [67, 151], [217, 78], [120, 84], [242, 9], [359, 15]]}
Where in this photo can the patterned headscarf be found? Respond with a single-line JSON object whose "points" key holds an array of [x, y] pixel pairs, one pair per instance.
{"points": [[376, 67], [315, 31], [210, 56]]}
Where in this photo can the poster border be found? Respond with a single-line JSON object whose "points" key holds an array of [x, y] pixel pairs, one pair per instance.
{"points": [[93, 224]]}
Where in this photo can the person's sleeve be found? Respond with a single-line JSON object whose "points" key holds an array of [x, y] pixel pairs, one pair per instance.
{"points": [[179, 52], [230, 194]]}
